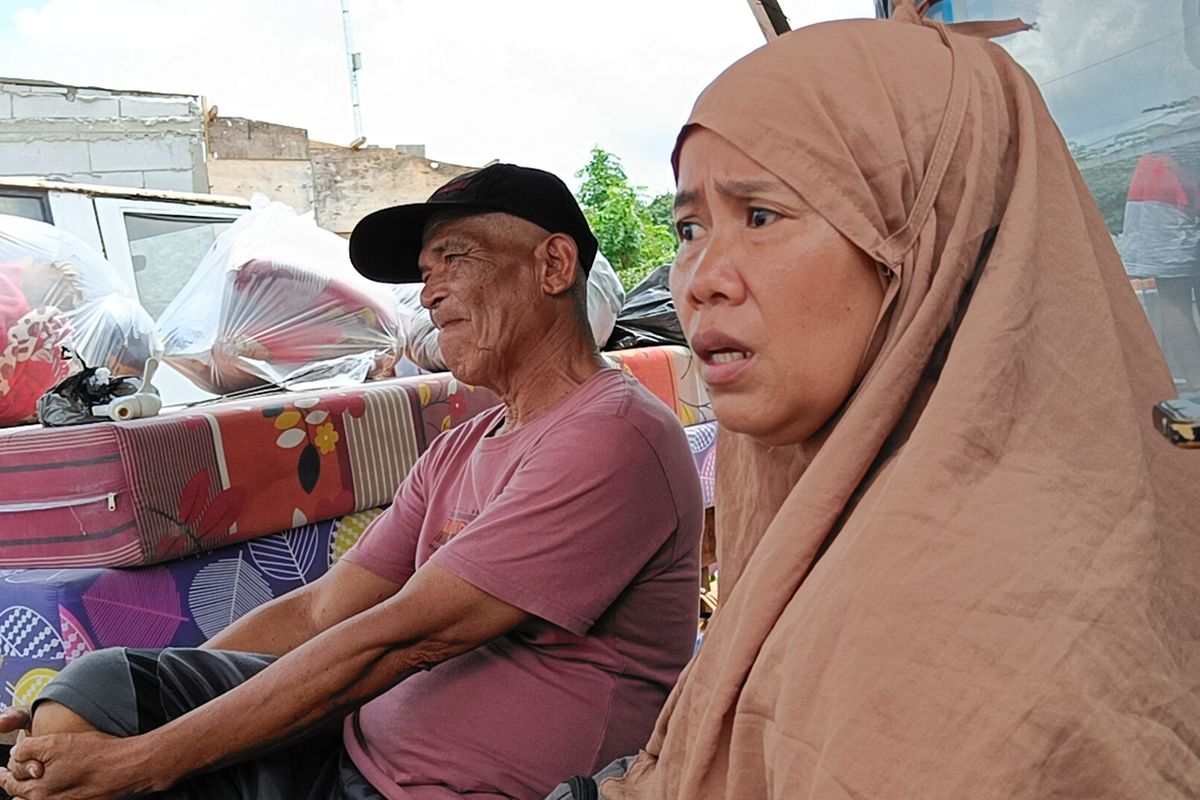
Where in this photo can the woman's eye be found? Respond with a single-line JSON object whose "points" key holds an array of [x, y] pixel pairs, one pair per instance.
{"points": [[760, 217]]}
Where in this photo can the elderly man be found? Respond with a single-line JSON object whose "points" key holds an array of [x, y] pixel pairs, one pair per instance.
{"points": [[517, 616]]}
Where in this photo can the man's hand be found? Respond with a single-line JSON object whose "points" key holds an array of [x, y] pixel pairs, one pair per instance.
{"points": [[79, 766], [19, 719]]}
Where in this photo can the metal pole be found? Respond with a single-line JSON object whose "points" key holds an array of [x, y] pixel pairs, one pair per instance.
{"points": [[770, 18], [353, 64]]}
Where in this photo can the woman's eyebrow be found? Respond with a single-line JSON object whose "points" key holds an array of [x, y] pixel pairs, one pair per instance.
{"points": [[747, 188], [733, 189]]}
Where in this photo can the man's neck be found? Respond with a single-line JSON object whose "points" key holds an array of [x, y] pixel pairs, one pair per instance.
{"points": [[547, 376]]}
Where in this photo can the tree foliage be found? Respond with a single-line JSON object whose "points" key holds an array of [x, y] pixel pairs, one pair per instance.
{"points": [[635, 234]]}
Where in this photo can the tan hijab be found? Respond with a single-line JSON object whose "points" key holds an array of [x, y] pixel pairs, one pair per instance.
{"points": [[1009, 601]]}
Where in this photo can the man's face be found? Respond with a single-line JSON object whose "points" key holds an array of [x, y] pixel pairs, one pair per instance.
{"points": [[482, 289]]}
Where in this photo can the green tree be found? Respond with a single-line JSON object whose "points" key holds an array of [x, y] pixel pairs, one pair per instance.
{"points": [[636, 235]]}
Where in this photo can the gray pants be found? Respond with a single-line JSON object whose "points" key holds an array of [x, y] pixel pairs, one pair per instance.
{"points": [[124, 692], [614, 770]]}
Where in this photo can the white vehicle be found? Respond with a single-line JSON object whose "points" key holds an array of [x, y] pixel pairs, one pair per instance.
{"points": [[155, 239]]}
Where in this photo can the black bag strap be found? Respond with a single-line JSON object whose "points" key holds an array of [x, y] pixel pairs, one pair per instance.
{"points": [[583, 788]]}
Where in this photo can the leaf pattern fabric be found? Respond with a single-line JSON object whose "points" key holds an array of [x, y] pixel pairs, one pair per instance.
{"points": [[138, 608], [287, 556], [347, 531], [225, 591], [25, 689]]}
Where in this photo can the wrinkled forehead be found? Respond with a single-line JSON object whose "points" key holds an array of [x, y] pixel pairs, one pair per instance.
{"points": [[439, 220], [706, 155], [483, 223]]}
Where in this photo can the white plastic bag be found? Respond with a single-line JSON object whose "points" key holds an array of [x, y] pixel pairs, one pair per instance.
{"points": [[56, 292], [276, 301], [606, 297]]}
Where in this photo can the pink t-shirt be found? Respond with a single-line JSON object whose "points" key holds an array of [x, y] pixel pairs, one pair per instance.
{"points": [[589, 519]]}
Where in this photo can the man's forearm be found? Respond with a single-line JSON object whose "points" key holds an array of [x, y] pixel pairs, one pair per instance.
{"points": [[272, 629], [323, 679]]}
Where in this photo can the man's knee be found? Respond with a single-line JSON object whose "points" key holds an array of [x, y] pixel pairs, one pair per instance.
{"points": [[94, 692], [52, 717]]}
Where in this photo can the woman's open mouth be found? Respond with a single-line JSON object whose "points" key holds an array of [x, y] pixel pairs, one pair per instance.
{"points": [[723, 359]]}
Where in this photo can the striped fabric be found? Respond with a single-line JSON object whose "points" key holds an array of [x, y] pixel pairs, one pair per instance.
{"points": [[702, 439], [50, 616], [160, 460], [383, 447], [157, 489], [64, 499]]}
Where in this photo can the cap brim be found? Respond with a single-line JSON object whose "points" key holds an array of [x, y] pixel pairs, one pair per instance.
{"points": [[386, 244]]}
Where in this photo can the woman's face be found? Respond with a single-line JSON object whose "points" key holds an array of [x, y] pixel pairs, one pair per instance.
{"points": [[776, 303]]}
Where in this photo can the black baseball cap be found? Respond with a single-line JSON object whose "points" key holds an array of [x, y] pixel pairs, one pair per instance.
{"points": [[385, 244]]}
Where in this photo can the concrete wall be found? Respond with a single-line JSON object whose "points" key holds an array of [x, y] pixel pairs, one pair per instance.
{"points": [[86, 135], [339, 184], [247, 156], [349, 184], [288, 182], [248, 139]]}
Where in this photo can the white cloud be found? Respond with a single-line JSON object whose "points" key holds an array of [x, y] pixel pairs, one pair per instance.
{"points": [[532, 81]]}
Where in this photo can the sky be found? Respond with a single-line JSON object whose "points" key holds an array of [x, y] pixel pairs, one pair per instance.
{"points": [[536, 82], [540, 82]]}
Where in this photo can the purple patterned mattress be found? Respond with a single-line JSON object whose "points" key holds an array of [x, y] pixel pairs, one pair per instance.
{"points": [[48, 617]]}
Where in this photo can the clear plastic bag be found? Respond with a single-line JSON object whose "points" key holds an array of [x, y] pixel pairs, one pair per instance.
{"points": [[56, 292], [276, 301], [422, 351]]}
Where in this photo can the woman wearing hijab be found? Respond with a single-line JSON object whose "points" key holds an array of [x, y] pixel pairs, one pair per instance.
{"points": [[956, 558]]}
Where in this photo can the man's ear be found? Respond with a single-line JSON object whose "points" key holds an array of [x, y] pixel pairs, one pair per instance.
{"points": [[559, 258]]}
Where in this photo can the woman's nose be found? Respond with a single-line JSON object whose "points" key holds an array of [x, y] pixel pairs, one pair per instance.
{"points": [[712, 276]]}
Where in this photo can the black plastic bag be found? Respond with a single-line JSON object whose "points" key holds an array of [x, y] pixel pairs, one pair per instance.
{"points": [[648, 317], [71, 402]]}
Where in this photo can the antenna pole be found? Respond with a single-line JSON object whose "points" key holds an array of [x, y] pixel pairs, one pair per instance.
{"points": [[353, 64]]}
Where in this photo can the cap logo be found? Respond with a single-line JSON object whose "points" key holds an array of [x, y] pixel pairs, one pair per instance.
{"points": [[454, 186]]}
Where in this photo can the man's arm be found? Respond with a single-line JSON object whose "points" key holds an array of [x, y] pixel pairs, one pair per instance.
{"points": [[282, 625], [436, 616]]}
